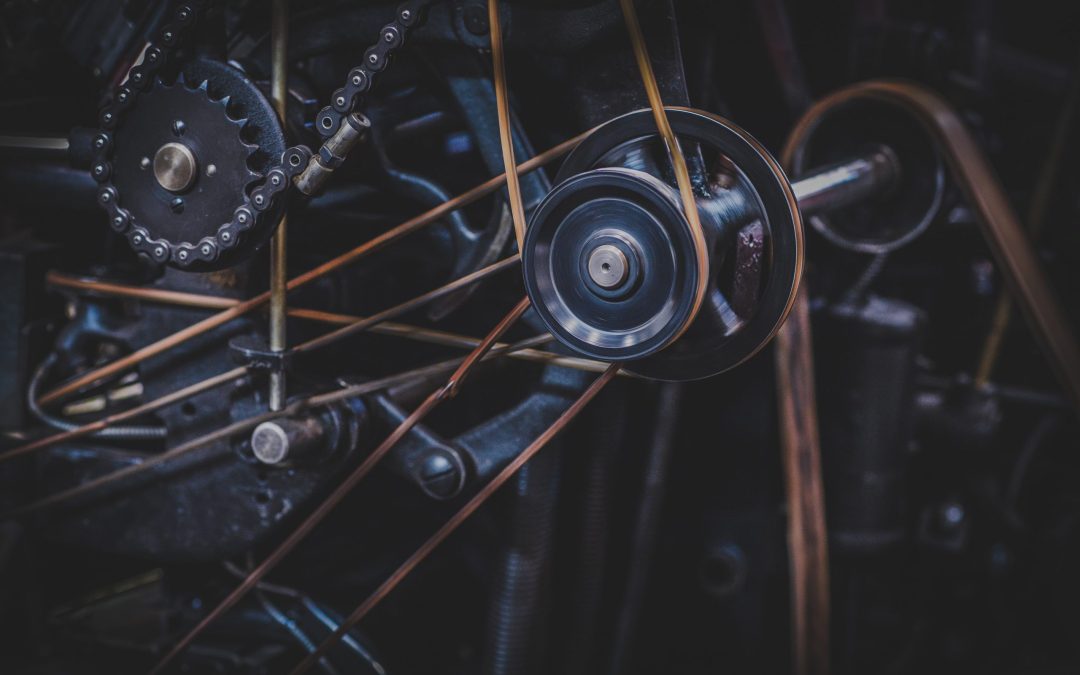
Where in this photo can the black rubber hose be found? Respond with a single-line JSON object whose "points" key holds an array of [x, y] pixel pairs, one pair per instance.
{"points": [[518, 610]]}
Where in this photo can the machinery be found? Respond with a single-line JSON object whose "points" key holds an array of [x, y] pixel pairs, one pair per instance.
{"points": [[590, 336]]}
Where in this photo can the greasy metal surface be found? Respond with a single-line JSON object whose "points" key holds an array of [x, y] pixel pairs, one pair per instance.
{"points": [[1016, 258]]}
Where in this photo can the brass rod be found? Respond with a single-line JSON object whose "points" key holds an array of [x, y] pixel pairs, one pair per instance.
{"points": [[346, 486], [429, 335], [506, 138], [678, 161], [279, 273], [246, 306], [460, 517]]}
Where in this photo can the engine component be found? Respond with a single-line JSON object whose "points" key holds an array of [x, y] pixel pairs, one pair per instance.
{"points": [[610, 265], [180, 168]]}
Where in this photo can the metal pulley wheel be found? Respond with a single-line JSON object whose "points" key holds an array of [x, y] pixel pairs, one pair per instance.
{"points": [[611, 266]]}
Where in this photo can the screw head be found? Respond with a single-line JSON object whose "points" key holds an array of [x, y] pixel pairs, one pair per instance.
{"points": [[177, 205], [178, 127]]}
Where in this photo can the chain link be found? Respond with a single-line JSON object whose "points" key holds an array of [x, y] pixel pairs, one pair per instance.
{"points": [[275, 181]]}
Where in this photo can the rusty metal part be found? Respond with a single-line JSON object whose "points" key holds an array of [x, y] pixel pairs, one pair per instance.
{"points": [[808, 548], [347, 258], [1016, 258], [502, 102], [1036, 218], [678, 160], [346, 486], [460, 517]]}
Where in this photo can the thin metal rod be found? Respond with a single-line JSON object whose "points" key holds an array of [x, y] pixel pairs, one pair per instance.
{"points": [[346, 486], [279, 273], [502, 103], [460, 517], [246, 306], [117, 418], [46, 145], [408, 305], [429, 335], [671, 142]]}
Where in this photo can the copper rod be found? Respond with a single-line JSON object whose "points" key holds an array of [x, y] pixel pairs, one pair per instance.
{"points": [[506, 138], [678, 161], [117, 418], [346, 486], [242, 308], [460, 517], [808, 549], [429, 335], [279, 272], [408, 305]]}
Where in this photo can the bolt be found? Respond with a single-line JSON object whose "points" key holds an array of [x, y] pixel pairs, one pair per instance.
{"points": [[608, 266], [144, 163], [211, 169], [439, 476], [177, 205], [275, 441], [178, 127]]}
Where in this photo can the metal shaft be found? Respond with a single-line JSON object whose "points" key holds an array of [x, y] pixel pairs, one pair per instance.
{"points": [[847, 183], [279, 37]]}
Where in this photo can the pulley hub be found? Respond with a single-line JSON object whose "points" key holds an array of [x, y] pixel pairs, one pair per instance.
{"points": [[611, 265]]}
